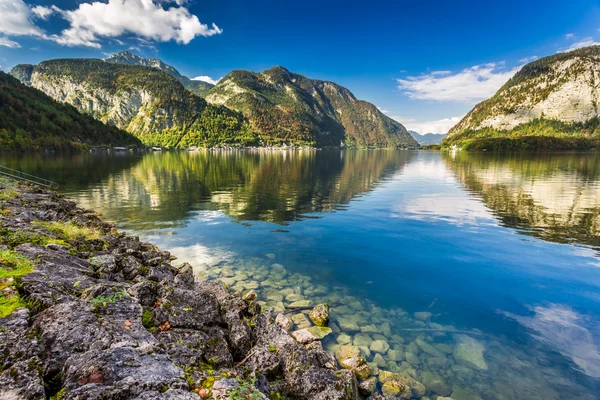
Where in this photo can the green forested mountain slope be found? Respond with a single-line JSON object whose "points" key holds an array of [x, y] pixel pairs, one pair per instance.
{"points": [[126, 57], [147, 102], [272, 108], [551, 102], [31, 121], [290, 108]]}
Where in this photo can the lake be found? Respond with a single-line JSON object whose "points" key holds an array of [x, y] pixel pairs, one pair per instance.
{"points": [[476, 273]]}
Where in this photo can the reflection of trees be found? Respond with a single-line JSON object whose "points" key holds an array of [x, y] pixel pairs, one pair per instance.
{"points": [[159, 190], [71, 171], [552, 196]]}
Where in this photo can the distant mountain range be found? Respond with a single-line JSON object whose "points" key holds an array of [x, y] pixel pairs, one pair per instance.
{"points": [[550, 103], [153, 101], [428, 138]]}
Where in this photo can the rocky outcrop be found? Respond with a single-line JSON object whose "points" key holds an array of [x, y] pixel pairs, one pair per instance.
{"points": [[109, 317], [563, 88]]}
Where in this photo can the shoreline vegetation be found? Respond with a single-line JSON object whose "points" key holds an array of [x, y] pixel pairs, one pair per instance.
{"points": [[89, 312], [539, 134]]}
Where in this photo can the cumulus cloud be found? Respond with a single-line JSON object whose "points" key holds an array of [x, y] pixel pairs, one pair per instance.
{"points": [[9, 43], [145, 18], [569, 36], [90, 22], [42, 12], [206, 79], [585, 42], [437, 126], [16, 19], [475, 83]]}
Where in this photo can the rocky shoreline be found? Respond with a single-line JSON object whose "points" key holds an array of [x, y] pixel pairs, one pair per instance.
{"points": [[90, 313]]}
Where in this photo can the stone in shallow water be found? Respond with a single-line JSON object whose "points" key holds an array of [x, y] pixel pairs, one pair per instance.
{"points": [[292, 297], [358, 365], [438, 362], [364, 350], [343, 339], [320, 315], [436, 384], [228, 281], [395, 355], [368, 329], [379, 360], [346, 324], [412, 358], [344, 310], [362, 340], [469, 352], [309, 335], [356, 305], [428, 348], [275, 297], [301, 303], [301, 321], [401, 386], [379, 346], [346, 351], [444, 348], [422, 316]]}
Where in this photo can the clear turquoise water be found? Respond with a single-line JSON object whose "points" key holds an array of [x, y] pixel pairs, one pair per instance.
{"points": [[503, 251]]}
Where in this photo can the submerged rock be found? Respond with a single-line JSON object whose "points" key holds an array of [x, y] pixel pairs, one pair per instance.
{"points": [[469, 352], [402, 386], [311, 334], [320, 315], [358, 365]]}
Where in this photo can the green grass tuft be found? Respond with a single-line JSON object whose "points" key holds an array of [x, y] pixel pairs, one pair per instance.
{"points": [[69, 230], [13, 264]]}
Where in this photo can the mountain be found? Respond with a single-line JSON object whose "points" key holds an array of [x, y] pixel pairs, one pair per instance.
{"points": [[428, 138], [126, 57], [552, 102], [285, 107], [31, 120], [147, 102]]}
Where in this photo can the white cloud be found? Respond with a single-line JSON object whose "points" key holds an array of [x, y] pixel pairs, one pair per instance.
{"points": [[42, 12], [145, 18], [439, 126], [382, 110], [9, 43], [475, 83], [527, 60], [570, 36], [15, 19], [585, 42], [206, 79]]}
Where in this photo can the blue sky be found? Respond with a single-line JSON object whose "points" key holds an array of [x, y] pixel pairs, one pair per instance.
{"points": [[424, 63]]}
